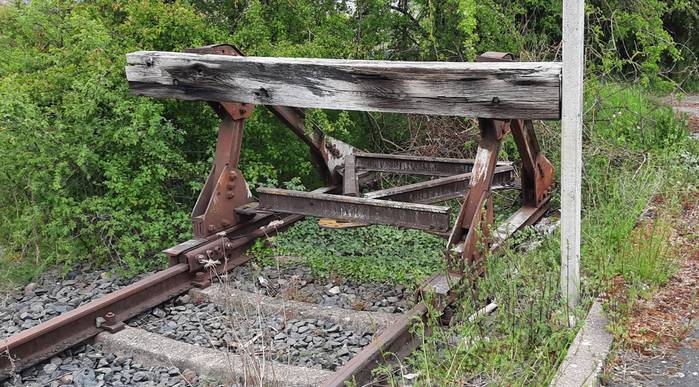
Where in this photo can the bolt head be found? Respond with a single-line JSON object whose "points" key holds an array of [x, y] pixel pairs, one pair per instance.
{"points": [[211, 228]]}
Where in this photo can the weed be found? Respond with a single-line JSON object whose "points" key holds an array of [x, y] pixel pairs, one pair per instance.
{"points": [[373, 253]]}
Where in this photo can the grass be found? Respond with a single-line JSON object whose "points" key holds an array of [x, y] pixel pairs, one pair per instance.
{"points": [[636, 150], [373, 253]]}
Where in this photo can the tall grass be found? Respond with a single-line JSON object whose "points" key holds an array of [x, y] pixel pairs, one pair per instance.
{"points": [[631, 156]]}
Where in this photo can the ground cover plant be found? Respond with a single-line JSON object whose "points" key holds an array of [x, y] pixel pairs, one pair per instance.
{"points": [[527, 337]]}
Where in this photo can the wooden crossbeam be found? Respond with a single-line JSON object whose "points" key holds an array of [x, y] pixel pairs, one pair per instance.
{"points": [[490, 90]]}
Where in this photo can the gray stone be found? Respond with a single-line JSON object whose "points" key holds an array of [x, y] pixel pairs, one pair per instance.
{"points": [[335, 290], [343, 351]]}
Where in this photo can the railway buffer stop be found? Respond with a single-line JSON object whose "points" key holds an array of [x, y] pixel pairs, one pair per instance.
{"points": [[504, 96]]}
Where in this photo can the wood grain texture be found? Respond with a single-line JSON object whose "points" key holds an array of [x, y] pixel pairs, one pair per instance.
{"points": [[491, 90]]}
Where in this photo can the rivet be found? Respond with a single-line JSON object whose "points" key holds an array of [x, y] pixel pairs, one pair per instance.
{"points": [[211, 228], [230, 195], [496, 100]]}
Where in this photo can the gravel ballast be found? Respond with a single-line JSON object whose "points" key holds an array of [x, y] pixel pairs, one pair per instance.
{"points": [[296, 282], [52, 295], [87, 365], [308, 343]]}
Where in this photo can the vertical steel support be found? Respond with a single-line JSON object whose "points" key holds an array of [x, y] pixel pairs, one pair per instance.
{"points": [[469, 224], [537, 170], [225, 188]]}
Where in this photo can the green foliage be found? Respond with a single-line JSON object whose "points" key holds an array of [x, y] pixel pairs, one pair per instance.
{"points": [[628, 117], [88, 170], [373, 253], [521, 345]]}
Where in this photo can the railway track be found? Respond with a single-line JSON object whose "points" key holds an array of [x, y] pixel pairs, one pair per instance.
{"points": [[222, 335], [226, 220]]}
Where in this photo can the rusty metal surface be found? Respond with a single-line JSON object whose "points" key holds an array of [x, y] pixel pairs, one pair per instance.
{"points": [[537, 171], [409, 215], [412, 165], [395, 341], [53, 336], [470, 217], [441, 189], [225, 188], [495, 56], [58, 334]]}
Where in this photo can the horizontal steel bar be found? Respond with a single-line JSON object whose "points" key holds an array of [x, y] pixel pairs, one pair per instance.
{"points": [[408, 215], [441, 189], [414, 165]]}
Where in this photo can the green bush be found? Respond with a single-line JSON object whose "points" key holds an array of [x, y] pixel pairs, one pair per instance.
{"points": [[87, 170]]}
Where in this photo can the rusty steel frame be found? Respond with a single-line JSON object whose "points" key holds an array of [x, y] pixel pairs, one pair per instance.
{"points": [[441, 189], [226, 222], [413, 165], [408, 215]]}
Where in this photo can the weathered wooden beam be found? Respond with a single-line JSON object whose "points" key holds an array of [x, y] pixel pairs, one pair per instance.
{"points": [[408, 215], [490, 90]]}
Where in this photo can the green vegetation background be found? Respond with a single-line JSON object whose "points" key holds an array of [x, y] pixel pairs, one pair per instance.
{"points": [[89, 173]]}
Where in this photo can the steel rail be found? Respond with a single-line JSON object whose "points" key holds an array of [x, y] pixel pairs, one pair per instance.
{"points": [[53, 336], [398, 341]]}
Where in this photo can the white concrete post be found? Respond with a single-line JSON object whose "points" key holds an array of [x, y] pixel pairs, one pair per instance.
{"points": [[571, 147]]}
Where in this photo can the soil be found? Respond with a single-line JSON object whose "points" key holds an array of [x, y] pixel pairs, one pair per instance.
{"points": [[662, 346], [690, 105]]}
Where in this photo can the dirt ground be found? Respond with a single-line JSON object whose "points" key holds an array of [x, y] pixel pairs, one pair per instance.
{"points": [[690, 105], [663, 334]]}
